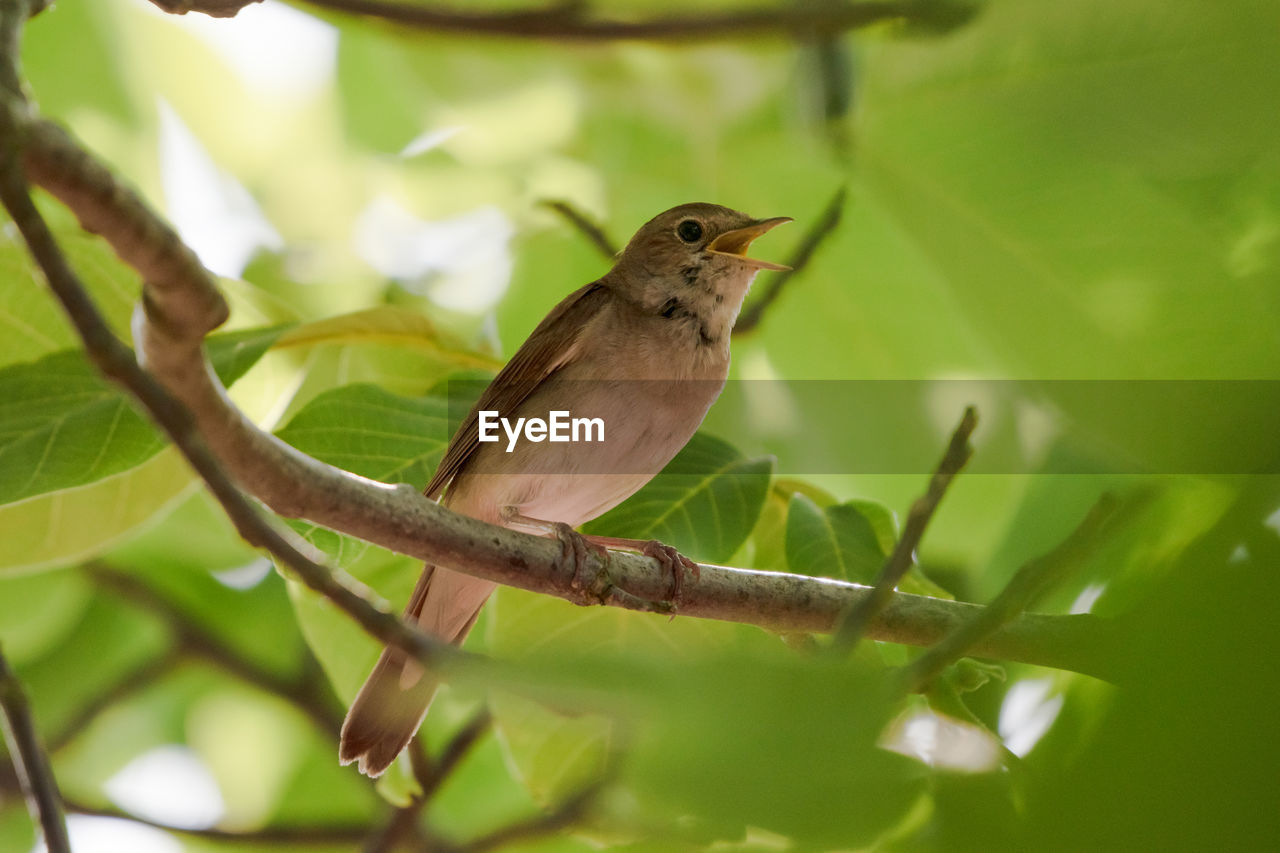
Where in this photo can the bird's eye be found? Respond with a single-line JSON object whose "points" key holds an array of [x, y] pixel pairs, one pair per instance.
{"points": [[689, 231]]}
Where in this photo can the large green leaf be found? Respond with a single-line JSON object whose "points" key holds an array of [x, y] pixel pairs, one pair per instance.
{"points": [[62, 425], [1076, 176], [73, 524], [704, 502], [373, 432], [838, 541], [31, 320]]}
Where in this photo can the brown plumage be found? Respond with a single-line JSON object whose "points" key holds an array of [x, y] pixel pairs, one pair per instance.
{"points": [[646, 348]]}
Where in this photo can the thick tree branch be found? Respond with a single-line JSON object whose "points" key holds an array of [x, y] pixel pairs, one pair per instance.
{"points": [[30, 761], [573, 21], [399, 518]]}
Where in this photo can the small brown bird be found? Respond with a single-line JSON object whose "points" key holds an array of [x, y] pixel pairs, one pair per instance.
{"points": [[645, 349]]}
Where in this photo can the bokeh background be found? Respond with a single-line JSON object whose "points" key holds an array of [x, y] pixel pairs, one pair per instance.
{"points": [[1030, 192]]}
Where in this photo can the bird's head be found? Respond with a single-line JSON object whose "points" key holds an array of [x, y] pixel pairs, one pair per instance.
{"points": [[694, 253]]}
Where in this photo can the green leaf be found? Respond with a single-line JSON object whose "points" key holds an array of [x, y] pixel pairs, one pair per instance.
{"points": [[32, 323], [62, 425], [839, 541], [37, 611], [373, 432], [704, 503], [785, 744], [66, 526]]}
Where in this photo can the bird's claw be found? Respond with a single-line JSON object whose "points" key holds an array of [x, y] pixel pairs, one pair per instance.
{"points": [[676, 564], [576, 549]]}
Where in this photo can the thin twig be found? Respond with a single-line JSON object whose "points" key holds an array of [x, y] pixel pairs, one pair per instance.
{"points": [[1029, 581], [139, 679], [304, 692], [861, 616], [752, 314], [31, 762], [430, 775], [566, 814], [402, 826], [310, 836], [458, 747], [570, 21], [593, 232]]}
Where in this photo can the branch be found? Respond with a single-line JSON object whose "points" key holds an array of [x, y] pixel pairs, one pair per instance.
{"points": [[305, 693], [860, 617], [566, 814], [570, 21], [311, 836], [35, 776], [750, 318], [434, 773], [148, 245], [1026, 584], [212, 8], [593, 232], [181, 305], [144, 676]]}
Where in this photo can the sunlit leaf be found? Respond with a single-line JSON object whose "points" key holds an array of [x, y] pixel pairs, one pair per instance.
{"points": [[63, 425]]}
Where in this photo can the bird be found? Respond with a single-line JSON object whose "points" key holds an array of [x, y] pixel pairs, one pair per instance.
{"points": [[644, 348]]}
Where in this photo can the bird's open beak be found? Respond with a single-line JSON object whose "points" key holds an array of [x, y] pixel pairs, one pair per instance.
{"points": [[734, 243]]}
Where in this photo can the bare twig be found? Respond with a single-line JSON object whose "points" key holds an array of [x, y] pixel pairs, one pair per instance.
{"points": [[404, 822], [570, 21], [31, 763], [566, 814], [399, 829], [593, 232], [306, 692], [861, 616], [458, 747], [1026, 584], [751, 316], [307, 835], [137, 680]]}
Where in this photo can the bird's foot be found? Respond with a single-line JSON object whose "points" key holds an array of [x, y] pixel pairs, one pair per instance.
{"points": [[675, 564], [576, 550]]}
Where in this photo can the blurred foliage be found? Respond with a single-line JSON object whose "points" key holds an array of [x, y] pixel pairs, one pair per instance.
{"points": [[1085, 191]]}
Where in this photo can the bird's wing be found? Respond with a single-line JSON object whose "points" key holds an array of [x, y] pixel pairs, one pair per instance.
{"points": [[551, 345]]}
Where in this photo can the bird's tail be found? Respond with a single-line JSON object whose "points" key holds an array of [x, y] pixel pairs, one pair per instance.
{"points": [[394, 700]]}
